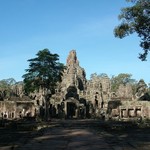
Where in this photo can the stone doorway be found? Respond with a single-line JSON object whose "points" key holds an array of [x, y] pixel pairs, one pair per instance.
{"points": [[71, 110]]}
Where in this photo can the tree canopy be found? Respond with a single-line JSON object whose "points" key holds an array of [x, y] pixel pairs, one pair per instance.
{"points": [[136, 19], [6, 83], [44, 71], [98, 76], [122, 78]]}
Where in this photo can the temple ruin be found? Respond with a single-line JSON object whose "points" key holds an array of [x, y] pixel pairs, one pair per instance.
{"points": [[77, 97]]}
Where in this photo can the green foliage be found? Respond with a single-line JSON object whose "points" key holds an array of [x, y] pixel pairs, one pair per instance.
{"points": [[100, 76], [141, 85], [136, 19], [122, 78], [93, 75], [44, 71], [6, 83]]}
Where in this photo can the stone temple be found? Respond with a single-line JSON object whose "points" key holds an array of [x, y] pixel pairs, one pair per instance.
{"points": [[80, 97], [77, 97]]}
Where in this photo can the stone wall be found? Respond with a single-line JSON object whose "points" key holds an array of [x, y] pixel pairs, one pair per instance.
{"points": [[16, 109], [125, 92], [98, 91], [132, 111]]}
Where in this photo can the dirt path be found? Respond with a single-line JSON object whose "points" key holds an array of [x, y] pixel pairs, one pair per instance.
{"points": [[82, 135]]}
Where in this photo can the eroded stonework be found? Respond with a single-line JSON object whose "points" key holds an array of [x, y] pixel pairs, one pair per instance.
{"points": [[95, 95], [125, 92], [77, 97], [73, 75]]}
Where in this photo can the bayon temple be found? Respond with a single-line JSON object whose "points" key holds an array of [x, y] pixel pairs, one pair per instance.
{"points": [[77, 97]]}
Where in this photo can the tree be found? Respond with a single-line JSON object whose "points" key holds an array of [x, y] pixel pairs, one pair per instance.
{"points": [[141, 86], [122, 78], [136, 19], [7, 83], [5, 88], [44, 72], [98, 76]]}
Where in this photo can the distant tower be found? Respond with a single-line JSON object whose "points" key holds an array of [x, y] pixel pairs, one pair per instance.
{"points": [[74, 75]]}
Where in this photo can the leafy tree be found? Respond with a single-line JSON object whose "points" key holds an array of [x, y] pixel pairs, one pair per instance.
{"points": [[5, 87], [98, 76], [93, 75], [103, 75], [44, 72], [122, 78], [142, 91], [141, 86], [136, 19], [6, 83]]}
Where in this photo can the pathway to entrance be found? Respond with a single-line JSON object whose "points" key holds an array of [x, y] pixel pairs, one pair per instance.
{"points": [[82, 135], [68, 135]]}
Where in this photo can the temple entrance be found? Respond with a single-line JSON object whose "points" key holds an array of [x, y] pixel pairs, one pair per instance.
{"points": [[71, 110]]}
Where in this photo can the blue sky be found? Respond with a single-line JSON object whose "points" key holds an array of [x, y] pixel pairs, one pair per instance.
{"points": [[27, 26]]}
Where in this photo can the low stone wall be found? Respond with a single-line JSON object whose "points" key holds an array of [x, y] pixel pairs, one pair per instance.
{"points": [[16, 109], [131, 110]]}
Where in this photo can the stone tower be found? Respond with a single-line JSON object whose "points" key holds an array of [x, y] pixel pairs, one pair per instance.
{"points": [[79, 96], [74, 76]]}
